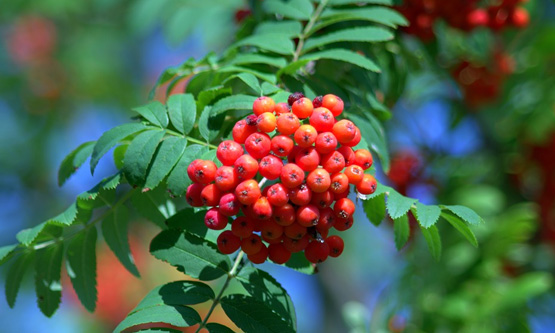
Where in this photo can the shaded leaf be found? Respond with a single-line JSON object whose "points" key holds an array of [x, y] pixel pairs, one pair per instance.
{"points": [[374, 135], [209, 127], [357, 2], [154, 112], [427, 215], [114, 230], [345, 56], [110, 138], [234, 102], [15, 275], [175, 315], [218, 328], [289, 28], [299, 263], [47, 278], [295, 9], [74, 160], [139, 154], [401, 230], [249, 59], [361, 34], [81, 266], [152, 205], [382, 15], [178, 179], [274, 42], [182, 109], [249, 79], [433, 240], [375, 209], [165, 158], [461, 226], [6, 252]]}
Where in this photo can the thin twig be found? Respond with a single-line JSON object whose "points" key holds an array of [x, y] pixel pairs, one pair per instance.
{"points": [[307, 28]]}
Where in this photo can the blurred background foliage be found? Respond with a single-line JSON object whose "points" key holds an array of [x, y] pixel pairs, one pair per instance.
{"points": [[473, 124]]}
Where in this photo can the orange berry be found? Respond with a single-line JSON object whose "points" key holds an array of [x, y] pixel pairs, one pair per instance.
{"points": [[333, 103], [263, 104], [344, 130], [266, 122], [287, 123], [305, 135], [302, 108]]}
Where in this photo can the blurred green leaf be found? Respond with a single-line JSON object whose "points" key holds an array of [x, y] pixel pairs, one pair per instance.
{"points": [[81, 266], [461, 226], [427, 215], [47, 278], [15, 275], [401, 230], [114, 230], [155, 112], [359, 34], [431, 234], [74, 160]]}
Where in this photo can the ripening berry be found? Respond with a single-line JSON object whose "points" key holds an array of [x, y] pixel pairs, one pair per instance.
{"points": [[305, 135], [282, 108], [322, 120], [263, 104], [327, 219], [294, 97], [333, 162], [282, 145], [251, 244], [294, 231], [354, 173], [344, 130], [296, 245], [258, 145], [336, 245], [204, 172], [363, 158], [287, 123], [302, 108], [291, 175], [266, 122], [229, 205], [333, 103], [325, 143], [348, 155], [262, 208], [307, 159], [300, 195], [278, 195], [317, 252], [226, 179], [317, 101], [367, 185], [214, 219], [228, 151], [193, 195], [270, 167], [344, 208], [246, 167], [339, 183], [242, 227], [210, 195], [242, 130], [228, 242], [270, 229], [278, 253], [260, 256], [308, 215], [318, 180], [322, 200], [342, 224], [519, 17], [247, 192], [355, 141], [284, 215]]}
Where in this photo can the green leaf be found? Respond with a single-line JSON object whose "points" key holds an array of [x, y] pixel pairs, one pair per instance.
{"points": [[81, 266], [152, 205], [373, 133], [176, 293], [345, 56], [268, 88], [110, 138], [375, 209], [154, 112], [178, 179], [6, 252], [100, 189], [190, 254], [15, 275], [465, 214], [217, 328], [274, 42], [265, 288], [290, 28], [192, 220], [292, 67], [358, 2], [295, 9], [249, 59], [234, 102], [401, 230], [119, 154], [139, 154], [382, 15], [431, 235], [239, 69], [381, 111], [427, 215], [183, 112], [165, 158], [398, 205], [114, 230], [28, 236], [364, 34], [74, 160], [159, 329], [299, 263], [47, 278], [461, 226], [206, 96], [252, 315], [249, 79]]}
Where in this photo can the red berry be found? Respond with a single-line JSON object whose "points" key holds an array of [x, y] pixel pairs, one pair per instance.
{"points": [[322, 120], [307, 159], [228, 242], [367, 185], [263, 104], [327, 219], [251, 244], [282, 145], [210, 195], [287, 123], [336, 245], [258, 145], [246, 167], [478, 18], [262, 208], [270, 167], [260, 256], [342, 224], [317, 101], [317, 252], [322, 200], [226, 179], [228, 152], [348, 155], [344, 130], [278, 253], [284, 215], [294, 231], [300, 195], [278, 195], [363, 158], [191, 170], [294, 97], [242, 130], [204, 172], [318, 180], [308, 215], [242, 227], [333, 103], [266, 122], [291, 175], [325, 143], [282, 108], [520, 17], [296, 245], [270, 229], [344, 208], [341, 195], [302, 108], [215, 220], [248, 192], [333, 162], [193, 195], [354, 173], [305, 135], [355, 141], [229, 205], [339, 183]]}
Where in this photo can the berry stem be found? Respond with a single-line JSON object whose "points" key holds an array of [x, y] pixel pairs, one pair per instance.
{"points": [[307, 28], [262, 182], [232, 274]]}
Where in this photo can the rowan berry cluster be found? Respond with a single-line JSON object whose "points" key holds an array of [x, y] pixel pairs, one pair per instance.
{"points": [[462, 14], [303, 156]]}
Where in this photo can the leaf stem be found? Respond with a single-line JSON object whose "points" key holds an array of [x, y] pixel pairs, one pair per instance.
{"points": [[232, 273], [189, 138], [307, 28]]}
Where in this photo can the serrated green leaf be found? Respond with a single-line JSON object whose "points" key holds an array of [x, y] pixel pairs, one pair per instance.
{"points": [[433, 240], [427, 215], [234, 102], [252, 315], [28, 236], [249, 59], [289, 28], [152, 205], [358, 2], [461, 226], [114, 230], [465, 213], [139, 154], [74, 160], [110, 138], [15, 276], [375, 209], [299, 263], [119, 154], [398, 205], [81, 266], [345, 56], [154, 112], [87, 198], [218, 328], [364, 34], [265, 288], [274, 42], [190, 254], [191, 220], [373, 133], [268, 88], [47, 278], [401, 229], [249, 79], [178, 179], [182, 109], [165, 158], [175, 315], [210, 126], [5, 252], [382, 15], [206, 96], [295, 9], [269, 77]]}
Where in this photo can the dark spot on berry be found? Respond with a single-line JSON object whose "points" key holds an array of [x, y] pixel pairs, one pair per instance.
{"points": [[317, 101], [294, 97]]}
